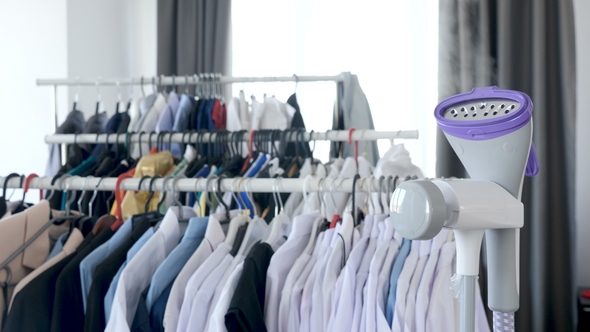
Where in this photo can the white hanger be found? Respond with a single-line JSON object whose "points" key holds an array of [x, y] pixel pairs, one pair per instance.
{"points": [[255, 232], [280, 226]]}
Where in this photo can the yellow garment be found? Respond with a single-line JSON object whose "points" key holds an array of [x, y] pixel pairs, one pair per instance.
{"points": [[155, 164], [202, 205]]}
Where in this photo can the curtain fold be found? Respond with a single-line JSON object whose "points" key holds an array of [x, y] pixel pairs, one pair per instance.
{"points": [[525, 45], [194, 36]]}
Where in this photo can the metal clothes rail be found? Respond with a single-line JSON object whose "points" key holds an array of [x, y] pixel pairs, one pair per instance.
{"points": [[186, 79], [204, 137], [309, 184]]}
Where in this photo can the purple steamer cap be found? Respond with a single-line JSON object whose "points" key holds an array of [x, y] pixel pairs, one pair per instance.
{"points": [[490, 127]]}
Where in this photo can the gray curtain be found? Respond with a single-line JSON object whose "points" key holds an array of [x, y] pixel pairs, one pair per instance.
{"points": [[525, 45], [194, 36]]}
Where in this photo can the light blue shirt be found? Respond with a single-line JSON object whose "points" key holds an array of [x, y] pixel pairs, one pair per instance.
{"points": [[89, 264], [396, 270], [171, 266], [185, 107], [59, 245], [108, 299]]}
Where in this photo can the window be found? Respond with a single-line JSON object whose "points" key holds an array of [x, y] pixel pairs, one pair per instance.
{"points": [[391, 46]]}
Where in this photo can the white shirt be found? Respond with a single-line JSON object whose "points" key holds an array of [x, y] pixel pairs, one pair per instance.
{"points": [[403, 283], [307, 296], [441, 307], [217, 318], [293, 288], [343, 307], [425, 286], [272, 114], [363, 272], [148, 124], [237, 260], [409, 322], [280, 265], [195, 282], [202, 300], [214, 236], [386, 250], [342, 245], [133, 114], [138, 273]]}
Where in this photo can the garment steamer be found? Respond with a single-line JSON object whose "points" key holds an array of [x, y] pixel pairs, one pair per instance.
{"points": [[490, 130]]}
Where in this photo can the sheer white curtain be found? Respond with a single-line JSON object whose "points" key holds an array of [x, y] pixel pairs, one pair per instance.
{"points": [[391, 45]]}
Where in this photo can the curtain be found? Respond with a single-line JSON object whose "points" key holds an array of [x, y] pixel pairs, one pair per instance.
{"points": [[194, 36], [525, 45]]}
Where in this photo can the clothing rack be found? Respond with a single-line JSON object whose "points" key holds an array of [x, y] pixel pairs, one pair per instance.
{"points": [[342, 185], [204, 137], [186, 79], [200, 79]]}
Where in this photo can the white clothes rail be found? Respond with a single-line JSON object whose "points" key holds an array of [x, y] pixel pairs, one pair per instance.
{"points": [[178, 80], [343, 185], [332, 135]]}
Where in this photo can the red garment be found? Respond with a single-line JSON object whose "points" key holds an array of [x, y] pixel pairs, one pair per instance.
{"points": [[219, 115], [586, 293]]}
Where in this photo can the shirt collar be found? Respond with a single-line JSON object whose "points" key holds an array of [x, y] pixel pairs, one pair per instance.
{"points": [[214, 233], [302, 224], [170, 229], [197, 226], [73, 241]]}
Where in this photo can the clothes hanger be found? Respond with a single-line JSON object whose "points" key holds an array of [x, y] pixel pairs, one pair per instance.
{"points": [[118, 97], [94, 194], [74, 107], [381, 178], [255, 232], [3, 200], [236, 221], [280, 226], [99, 97], [152, 192]]}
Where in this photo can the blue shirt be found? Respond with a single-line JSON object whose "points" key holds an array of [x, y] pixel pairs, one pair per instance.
{"points": [[109, 298], [396, 270], [89, 264], [171, 266], [59, 245], [185, 107], [159, 309], [252, 173]]}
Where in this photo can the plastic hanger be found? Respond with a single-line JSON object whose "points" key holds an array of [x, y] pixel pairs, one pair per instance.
{"points": [[94, 194], [99, 97], [381, 178], [235, 222], [256, 230], [280, 226]]}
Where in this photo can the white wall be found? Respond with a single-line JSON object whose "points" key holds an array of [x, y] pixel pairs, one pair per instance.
{"points": [[581, 12], [33, 44], [109, 38]]}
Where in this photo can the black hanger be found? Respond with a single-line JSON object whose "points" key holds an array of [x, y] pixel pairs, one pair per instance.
{"points": [[356, 177], [381, 178], [219, 196], [3, 199], [140, 144], [147, 203]]}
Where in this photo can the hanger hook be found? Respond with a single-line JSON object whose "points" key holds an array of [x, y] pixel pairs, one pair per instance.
{"points": [[142, 89], [83, 192], [94, 196], [99, 96], [77, 89]]}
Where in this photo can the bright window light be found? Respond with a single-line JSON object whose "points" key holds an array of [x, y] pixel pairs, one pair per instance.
{"points": [[391, 45]]}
